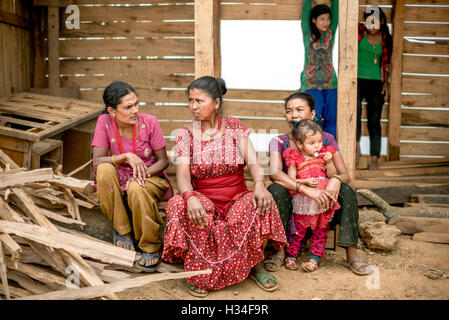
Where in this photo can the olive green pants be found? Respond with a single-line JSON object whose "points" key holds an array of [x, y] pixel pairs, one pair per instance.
{"points": [[142, 202]]}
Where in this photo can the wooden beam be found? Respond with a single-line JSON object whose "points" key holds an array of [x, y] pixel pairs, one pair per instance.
{"points": [[3, 276], [394, 117], [6, 160], [70, 242], [96, 291], [14, 20], [53, 3], [53, 48], [207, 39], [26, 177], [347, 83]]}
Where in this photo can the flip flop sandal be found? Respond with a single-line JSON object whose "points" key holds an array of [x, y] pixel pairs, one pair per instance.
{"points": [[146, 257], [278, 262], [118, 237], [261, 278], [357, 270], [290, 264], [307, 269], [191, 289]]}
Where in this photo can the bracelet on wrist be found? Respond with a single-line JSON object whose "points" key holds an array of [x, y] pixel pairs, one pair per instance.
{"points": [[113, 162], [187, 194], [298, 185], [261, 181], [336, 176]]}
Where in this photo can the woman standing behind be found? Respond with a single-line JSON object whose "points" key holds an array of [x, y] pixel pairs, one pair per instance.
{"points": [[375, 46], [318, 77]]}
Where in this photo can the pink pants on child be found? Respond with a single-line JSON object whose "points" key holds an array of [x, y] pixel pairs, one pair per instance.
{"points": [[318, 240]]}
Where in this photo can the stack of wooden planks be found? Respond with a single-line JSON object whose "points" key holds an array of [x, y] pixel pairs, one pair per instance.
{"points": [[41, 260], [396, 181]]}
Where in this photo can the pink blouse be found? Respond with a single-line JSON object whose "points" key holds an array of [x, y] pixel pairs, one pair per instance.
{"points": [[149, 138]]}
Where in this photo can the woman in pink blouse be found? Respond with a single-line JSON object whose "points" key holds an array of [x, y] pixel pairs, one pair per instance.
{"points": [[130, 158]]}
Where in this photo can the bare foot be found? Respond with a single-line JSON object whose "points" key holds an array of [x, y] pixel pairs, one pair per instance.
{"points": [[150, 261]]}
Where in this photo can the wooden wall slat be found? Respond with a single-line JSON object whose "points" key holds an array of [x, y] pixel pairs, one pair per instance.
{"points": [[430, 14], [428, 65], [425, 134], [159, 81], [143, 94], [425, 149], [434, 100], [131, 29], [145, 68], [416, 117], [426, 30], [131, 48], [425, 48], [153, 13], [417, 84]]}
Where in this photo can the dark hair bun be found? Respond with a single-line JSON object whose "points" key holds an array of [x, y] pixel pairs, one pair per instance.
{"points": [[222, 85]]}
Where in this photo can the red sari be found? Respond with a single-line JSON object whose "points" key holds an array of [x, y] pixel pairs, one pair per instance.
{"points": [[231, 243]]}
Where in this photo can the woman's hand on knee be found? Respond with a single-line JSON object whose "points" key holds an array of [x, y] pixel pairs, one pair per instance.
{"points": [[262, 199], [140, 170], [332, 189], [196, 211]]}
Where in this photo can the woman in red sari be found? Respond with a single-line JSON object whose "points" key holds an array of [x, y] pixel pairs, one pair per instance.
{"points": [[215, 222]]}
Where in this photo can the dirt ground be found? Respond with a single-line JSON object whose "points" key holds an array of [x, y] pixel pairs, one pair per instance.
{"points": [[416, 270]]}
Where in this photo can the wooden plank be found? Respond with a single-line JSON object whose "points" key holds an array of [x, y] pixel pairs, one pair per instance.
{"points": [[85, 186], [38, 273], [423, 64], [396, 82], [14, 20], [406, 172], [56, 239], [434, 100], [26, 177], [432, 237], [425, 134], [31, 124], [420, 84], [27, 283], [3, 275], [58, 217], [427, 205], [93, 292], [131, 48], [72, 206], [87, 274], [133, 13], [430, 14], [412, 225], [416, 117], [54, 3], [347, 83], [430, 198], [441, 47], [425, 149], [11, 246], [131, 29], [398, 192], [426, 30]]}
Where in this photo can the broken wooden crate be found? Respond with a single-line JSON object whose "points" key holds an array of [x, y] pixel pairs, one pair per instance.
{"points": [[29, 120]]}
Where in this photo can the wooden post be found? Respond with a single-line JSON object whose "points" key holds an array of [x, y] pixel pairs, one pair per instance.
{"points": [[207, 38], [347, 83], [53, 49], [394, 113]]}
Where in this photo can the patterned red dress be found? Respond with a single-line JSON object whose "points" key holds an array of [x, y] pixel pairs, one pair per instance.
{"points": [[306, 209], [231, 243]]}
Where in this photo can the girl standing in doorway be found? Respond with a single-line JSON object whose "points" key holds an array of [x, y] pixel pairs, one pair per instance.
{"points": [[318, 77]]}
